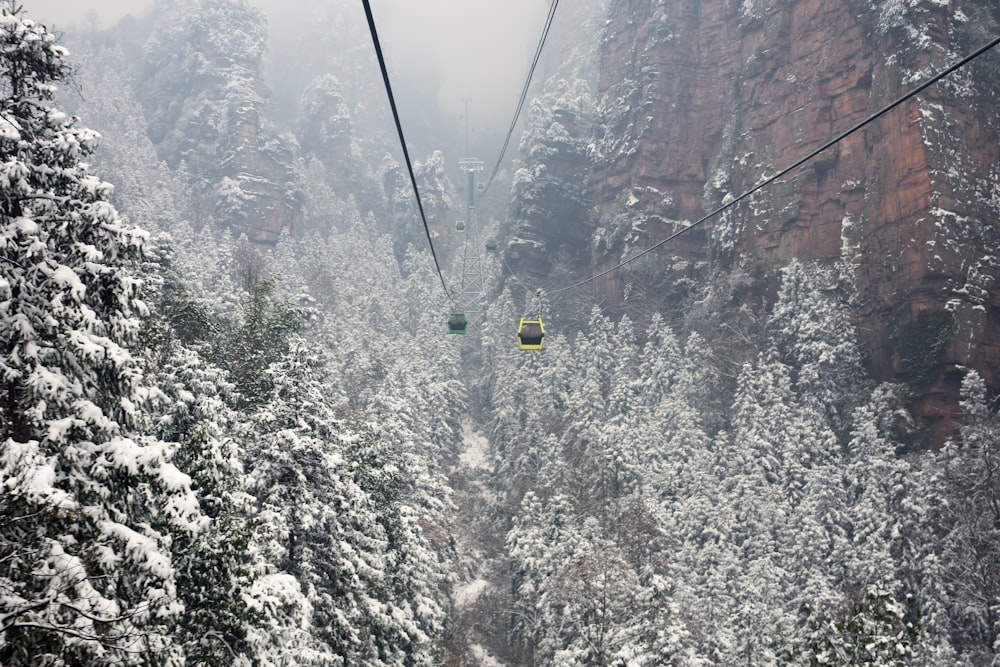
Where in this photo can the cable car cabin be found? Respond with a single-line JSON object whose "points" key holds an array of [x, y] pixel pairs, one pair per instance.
{"points": [[492, 246], [457, 324], [530, 334], [460, 226]]}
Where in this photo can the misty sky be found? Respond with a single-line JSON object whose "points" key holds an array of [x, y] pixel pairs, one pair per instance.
{"points": [[481, 47], [64, 14], [478, 49]]}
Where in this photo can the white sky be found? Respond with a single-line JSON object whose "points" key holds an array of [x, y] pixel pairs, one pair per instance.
{"points": [[482, 48], [479, 49], [64, 14]]}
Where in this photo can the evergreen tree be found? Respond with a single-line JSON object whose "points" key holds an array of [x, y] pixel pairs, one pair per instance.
{"points": [[873, 629], [215, 566], [334, 524], [89, 499], [248, 347], [969, 517], [813, 330], [145, 190]]}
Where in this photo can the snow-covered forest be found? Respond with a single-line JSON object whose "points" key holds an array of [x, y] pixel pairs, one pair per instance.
{"points": [[237, 433]]}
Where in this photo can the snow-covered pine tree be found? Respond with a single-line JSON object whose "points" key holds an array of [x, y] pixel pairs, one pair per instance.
{"points": [[542, 533], [86, 498], [215, 567], [812, 328], [872, 629], [334, 525], [146, 190], [248, 347], [968, 516]]}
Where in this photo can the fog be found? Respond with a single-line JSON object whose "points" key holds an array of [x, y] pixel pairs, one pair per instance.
{"points": [[456, 52], [64, 15], [482, 49], [444, 55]]}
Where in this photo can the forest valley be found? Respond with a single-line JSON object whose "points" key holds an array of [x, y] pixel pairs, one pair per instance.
{"points": [[235, 432]]}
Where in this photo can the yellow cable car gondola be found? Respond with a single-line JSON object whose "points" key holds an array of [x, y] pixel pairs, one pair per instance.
{"points": [[460, 226], [457, 322], [530, 334]]}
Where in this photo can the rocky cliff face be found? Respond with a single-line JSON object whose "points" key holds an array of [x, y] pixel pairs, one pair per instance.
{"points": [[701, 99], [204, 94], [549, 188]]}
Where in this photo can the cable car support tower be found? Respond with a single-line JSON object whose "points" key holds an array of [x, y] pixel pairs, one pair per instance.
{"points": [[472, 292]]}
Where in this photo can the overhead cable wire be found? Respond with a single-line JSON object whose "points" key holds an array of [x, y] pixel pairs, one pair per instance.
{"points": [[524, 93], [798, 163], [402, 141]]}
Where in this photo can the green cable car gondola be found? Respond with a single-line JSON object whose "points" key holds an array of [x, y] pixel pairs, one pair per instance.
{"points": [[492, 247], [460, 226], [457, 323], [530, 334]]}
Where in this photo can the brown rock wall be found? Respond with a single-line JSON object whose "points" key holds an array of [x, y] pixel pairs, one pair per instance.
{"points": [[704, 99]]}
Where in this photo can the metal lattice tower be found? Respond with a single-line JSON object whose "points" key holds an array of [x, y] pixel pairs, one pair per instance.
{"points": [[472, 292]]}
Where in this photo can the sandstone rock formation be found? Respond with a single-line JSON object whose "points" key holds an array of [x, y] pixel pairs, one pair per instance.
{"points": [[205, 95], [703, 98]]}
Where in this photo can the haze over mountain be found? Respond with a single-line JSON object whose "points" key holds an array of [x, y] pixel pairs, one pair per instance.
{"points": [[237, 430]]}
